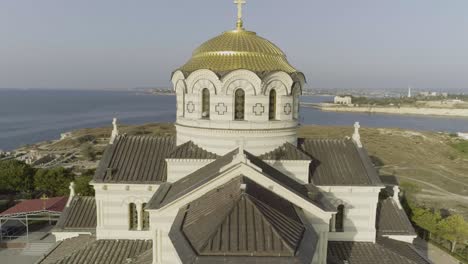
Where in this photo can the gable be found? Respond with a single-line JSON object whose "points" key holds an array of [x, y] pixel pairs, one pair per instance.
{"points": [[228, 167]]}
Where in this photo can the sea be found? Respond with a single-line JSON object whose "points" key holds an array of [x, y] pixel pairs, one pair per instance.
{"points": [[31, 116]]}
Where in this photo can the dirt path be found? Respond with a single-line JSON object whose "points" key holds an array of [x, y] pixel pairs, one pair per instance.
{"points": [[461, 197]]}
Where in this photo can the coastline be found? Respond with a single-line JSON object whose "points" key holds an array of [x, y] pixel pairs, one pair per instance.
{"points": [[390, 110]]}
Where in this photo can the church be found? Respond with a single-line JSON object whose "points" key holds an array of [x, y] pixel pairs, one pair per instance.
{"points": [[236, 184]]}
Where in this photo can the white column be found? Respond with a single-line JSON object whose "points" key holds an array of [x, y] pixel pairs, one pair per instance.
{"points": [[98, 212], [332, 223], [157, 247], [140, 214]]}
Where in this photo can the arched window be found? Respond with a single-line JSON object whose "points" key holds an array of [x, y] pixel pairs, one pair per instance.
{"points": [[206, 103], [272, 107], [339, 219], [145, 217], [295, 94], [239, 104], [132, 217]]}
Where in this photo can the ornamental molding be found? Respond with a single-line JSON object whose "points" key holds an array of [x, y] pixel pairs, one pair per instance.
{"points": [[243, 84], [190, 107], [279, 131], [203, 74], [287, 109], [221, 108], [296, 87], [258, 109], [280, 76], [187, 161], [278, 86], [250, 82], [201, 84], [178, 75], [180, 85], [133, 199]]}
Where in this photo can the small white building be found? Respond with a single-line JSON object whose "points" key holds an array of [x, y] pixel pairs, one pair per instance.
{"points": [[343, 100], [463, 135]]}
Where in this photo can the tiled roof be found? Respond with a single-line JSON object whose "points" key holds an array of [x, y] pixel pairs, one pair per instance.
{"points": [[190, 150], [169, 192], [135, 159], [243, 219], [341, 252], [404, 249], [285, 152], [79, 216], [54, 204], [337, 162], [392, 220], [243, 212], [77, 251]]}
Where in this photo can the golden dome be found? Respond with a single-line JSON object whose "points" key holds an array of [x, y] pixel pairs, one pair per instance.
{"points": [[238, 49]]}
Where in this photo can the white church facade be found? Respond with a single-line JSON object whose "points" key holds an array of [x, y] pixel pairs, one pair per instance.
{"points": [[236, 184]]}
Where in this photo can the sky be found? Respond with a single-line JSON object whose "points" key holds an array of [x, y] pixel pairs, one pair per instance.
{"points": [[123, 44]]}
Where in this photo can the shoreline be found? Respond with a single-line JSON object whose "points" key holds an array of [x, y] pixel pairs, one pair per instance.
{"points": [[446, 112]]}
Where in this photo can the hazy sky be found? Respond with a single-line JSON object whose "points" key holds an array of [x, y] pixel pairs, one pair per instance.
{"points": [[138, 43]]}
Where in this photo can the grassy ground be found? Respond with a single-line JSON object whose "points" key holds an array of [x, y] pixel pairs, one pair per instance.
{"points": [[436, 162]]}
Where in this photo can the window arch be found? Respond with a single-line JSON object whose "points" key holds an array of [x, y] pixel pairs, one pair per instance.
{"points": [[146, 222], [239, 104], [272, 105], [339, 219], [205, 103], [295, 94], [132, 217]]}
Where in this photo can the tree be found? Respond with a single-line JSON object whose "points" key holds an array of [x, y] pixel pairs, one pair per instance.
{"points": [[426, 219], [454, 229], [54, 181], [16, 176], [82, 186], [88, 152]]}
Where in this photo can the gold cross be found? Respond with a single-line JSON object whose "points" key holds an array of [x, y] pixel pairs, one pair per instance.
{"points": [[239, 4], [44, 199]]}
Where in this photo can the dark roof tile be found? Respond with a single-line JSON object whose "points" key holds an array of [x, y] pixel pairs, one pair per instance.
{"points": [[79, 216], [340, 163], [135, 159], [392, 220], [246, 222], [190, 150], [341, 252], [285, 152]]}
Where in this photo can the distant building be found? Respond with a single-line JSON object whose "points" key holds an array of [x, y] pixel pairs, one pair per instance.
{"points": [[65, 135], [463, 135], [409, 91], [344, 100]]}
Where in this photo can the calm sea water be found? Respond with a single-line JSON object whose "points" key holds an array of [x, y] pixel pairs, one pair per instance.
{"points": [[29, 116]]}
